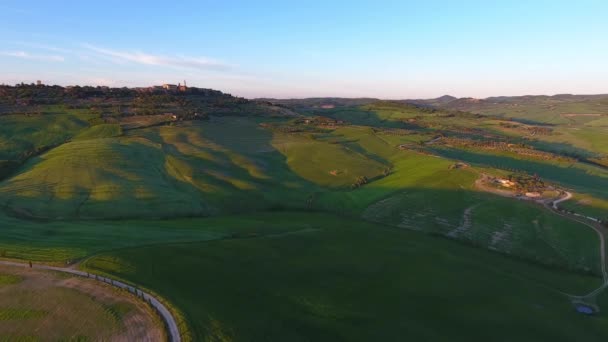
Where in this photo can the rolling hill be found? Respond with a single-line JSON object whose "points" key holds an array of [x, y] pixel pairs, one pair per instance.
{"points": [[217, 184]]}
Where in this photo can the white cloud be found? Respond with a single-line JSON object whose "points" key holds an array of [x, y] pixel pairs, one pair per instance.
{"points": [[159, 60], [41, 47], [27, 55]]}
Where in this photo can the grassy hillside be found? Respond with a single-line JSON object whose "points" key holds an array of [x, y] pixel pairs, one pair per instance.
{"points": [[97, 177], [232, 165], [100, 131], [194, 209], [338, 279], [572, 152], [22, 135]]}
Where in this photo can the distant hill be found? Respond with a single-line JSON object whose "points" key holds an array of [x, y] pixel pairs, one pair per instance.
{"points": [[109, 103], [437, 102], [556, 109], [320, 102]]}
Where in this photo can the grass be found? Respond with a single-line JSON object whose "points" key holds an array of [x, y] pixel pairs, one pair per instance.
{"points": [[8, 314], [315, 160], [60, 242], [119, 310], [84, 178], [349, 280], [20, 134], [9, 279], [588, 206], [540, 109], [580, 177], [196, 170], [52, 313], [124, 198], [179, 171], [100, 131]]}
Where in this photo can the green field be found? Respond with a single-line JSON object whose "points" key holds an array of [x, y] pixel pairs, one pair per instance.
{"points": [[340, 279], [196, 170], [100, 131], [21, 134], [362, 227]]}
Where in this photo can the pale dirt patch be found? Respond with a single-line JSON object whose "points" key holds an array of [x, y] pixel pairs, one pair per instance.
{"points": [[466, 223], [501, 238], [74, 306]]}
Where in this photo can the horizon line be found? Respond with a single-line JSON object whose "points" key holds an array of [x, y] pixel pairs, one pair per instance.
{"points": [[307, 97]]}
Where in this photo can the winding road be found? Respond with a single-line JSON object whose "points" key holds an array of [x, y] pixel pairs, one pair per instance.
{"points": [[596, 227], [562, 199], [552, 205], [162, 310]]}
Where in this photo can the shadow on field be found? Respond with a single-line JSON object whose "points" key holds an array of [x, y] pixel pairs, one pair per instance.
{"points": [[230, 166], [355, 281], [565, 149], [201, 171]]}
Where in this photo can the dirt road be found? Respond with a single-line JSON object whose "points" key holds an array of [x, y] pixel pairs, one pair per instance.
{"points": [[553, 206], [596, 227]]}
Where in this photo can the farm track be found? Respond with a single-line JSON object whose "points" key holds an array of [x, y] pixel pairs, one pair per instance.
{"points": [[167, 317], [552, 206], [601, 236]]}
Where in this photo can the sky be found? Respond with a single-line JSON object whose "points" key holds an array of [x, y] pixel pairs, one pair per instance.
{"points": [[293, 49]]}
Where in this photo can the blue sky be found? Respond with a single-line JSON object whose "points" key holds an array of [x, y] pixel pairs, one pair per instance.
{"points": [[386, 49]]}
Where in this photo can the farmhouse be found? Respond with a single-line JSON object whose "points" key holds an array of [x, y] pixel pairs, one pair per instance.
{"points": [[505, 182]]}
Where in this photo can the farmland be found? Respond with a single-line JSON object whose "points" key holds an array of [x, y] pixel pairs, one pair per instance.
{"points": [[346, 221], [38, 305], [337, 279]]}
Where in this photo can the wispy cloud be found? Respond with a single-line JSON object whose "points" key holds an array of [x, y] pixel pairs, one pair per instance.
{"points": [[27, 55], [159, 60], [41, 46]]}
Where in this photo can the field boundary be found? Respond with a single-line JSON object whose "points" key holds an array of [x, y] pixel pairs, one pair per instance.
{"points": [[161, 309]]}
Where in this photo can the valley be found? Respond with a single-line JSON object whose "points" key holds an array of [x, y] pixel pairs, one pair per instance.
{"points": [[316, 219]]}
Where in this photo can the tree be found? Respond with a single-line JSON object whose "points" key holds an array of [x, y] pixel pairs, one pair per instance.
{"points": [[360, 181]]}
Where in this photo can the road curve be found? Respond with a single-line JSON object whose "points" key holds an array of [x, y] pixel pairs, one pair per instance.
{"points": [[563, 199], [162, 310], [600, 235], [552, 206], [588, 224]]}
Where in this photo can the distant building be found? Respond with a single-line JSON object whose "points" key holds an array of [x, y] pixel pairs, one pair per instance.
{"points": [[182, 87], [505, 182], [39, 83], [167, 86]]}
